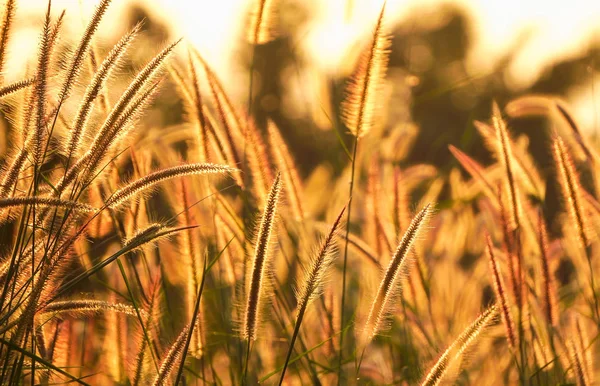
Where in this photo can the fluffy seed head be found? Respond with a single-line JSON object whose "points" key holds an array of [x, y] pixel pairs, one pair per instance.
{"points": [[360, 107], [260, 263], [397, 268]]}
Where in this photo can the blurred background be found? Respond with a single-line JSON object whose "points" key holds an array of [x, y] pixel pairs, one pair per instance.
{"points": [[449, 60]]}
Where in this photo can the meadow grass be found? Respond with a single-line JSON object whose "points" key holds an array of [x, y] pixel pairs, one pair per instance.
{"points": [[211, 258]]}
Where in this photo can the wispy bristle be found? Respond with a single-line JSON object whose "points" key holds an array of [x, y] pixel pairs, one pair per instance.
{"points": [[14, 87], [171, 357], [39, 133], [44, 201], [5, 31], [12, 172], [55, 32], [577, 363], [262, 20], [85, 306], [128, 191], [313, 280], [260, 264], [151, 233], [93, 90], [76, 62], [398, 267], [111, 127], [501, 295], [360, 107]]}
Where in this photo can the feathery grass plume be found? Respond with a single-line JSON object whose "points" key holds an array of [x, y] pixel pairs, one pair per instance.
{"points": [[262, 22], [5, 31], [313, 282], [397, 269], [110, 127], [504, 152], [78, 57], [315, 276], [41, 86], [128, 191], [87, 306], [55, 32], [93, 60], [501, 295], [171, 358], [260, 264], [571, 190], [12, 173], [14, 87], [93, 90], [223, 146], [459, 346], [45, 201], [143, 233], [550, 304], [84, 168], [359, 108], [285, 163]]}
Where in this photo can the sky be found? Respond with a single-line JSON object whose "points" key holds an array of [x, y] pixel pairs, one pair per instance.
{"points": [[555, 30]]}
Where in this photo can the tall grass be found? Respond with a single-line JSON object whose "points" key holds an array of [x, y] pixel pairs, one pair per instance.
{"points": [[128, 255]]}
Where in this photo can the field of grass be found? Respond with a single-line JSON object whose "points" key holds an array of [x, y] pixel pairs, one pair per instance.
{"points": [[141, 253]]}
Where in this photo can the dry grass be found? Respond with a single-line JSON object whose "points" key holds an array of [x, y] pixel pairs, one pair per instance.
{"points": [[131, 260]]}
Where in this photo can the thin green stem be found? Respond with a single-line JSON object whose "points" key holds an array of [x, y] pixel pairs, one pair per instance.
{"points": [[340, 359], [294, 336], [244, 379]]}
